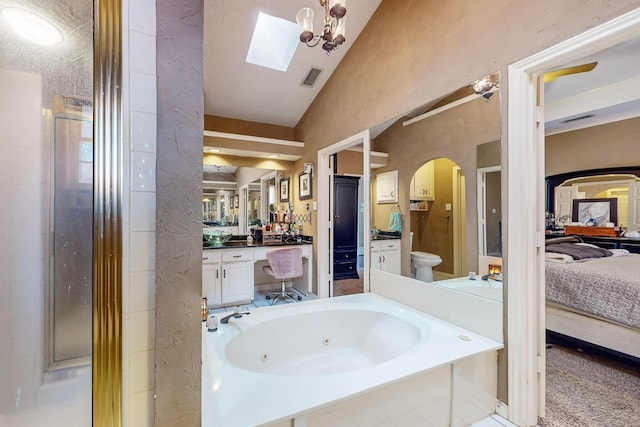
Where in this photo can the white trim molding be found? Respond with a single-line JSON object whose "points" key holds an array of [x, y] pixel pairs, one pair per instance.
{"points": [[325, 276]]}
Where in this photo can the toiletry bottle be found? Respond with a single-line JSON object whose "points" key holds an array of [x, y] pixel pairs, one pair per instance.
{"points": [[205, 309]]}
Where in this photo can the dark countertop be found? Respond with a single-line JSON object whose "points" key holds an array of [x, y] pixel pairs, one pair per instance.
{"points": [[387, 235], [386, 238], [240, 242]]}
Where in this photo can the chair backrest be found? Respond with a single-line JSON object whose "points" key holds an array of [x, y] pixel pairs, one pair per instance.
{"points": [[285, 263]]}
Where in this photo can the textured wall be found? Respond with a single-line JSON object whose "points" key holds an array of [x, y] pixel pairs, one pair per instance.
{"points": [[179, 222], [607, 146]]}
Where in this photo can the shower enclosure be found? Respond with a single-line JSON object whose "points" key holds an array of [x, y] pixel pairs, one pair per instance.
{"points": [[48, 216]]}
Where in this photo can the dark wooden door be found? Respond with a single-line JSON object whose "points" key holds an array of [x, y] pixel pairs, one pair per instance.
{"points": [[345, 227]]}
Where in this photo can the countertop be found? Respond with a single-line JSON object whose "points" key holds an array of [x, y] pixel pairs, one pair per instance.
{"points": [[387, 235], [239, 242]]}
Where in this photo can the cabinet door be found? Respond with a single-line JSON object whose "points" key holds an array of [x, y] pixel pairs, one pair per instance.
{"points": [[237, 282], [387, 187], [391, 261], [211, 284], [424, 182], [345, 213], [412, 189], [376, 259]]}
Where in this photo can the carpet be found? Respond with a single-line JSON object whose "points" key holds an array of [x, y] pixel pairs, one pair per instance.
{"points": [[585, 390], [349, 286]]}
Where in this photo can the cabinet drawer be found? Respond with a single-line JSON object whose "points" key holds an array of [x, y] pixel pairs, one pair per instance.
{"points": [[237, 255], [339, 256], [211, 257], [344, 267], [387, 245]]}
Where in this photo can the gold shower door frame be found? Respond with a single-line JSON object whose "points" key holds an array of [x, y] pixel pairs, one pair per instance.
{"points": [[107, 214]]}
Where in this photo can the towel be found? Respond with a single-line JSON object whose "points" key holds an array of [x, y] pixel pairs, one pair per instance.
{"points": [[395, 222]]}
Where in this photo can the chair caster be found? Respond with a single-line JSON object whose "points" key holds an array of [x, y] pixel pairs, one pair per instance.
{"points": [[299, 298], [267, 297]]}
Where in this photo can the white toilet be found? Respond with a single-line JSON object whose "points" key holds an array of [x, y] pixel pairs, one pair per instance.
{"points": [[422, 263]]}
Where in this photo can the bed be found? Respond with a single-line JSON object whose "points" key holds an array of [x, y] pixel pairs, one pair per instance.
{"points": [[593, 294]]}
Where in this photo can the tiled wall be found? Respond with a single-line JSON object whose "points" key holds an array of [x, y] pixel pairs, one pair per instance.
{"points": [[22, 190], [139, 210]]}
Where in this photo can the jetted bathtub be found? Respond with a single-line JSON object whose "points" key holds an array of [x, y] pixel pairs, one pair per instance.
{"points": [[491, 289], [281, 362]]}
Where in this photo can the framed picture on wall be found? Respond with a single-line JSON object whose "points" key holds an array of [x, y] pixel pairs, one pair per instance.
{"points": [[596, 212], [284, 189], [305, 188]]}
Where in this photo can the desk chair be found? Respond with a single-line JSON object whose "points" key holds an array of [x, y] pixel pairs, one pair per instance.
{"points": [[284, 264]]}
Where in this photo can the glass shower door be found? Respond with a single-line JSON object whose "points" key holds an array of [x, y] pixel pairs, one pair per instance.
{"points": [[46, 188]]}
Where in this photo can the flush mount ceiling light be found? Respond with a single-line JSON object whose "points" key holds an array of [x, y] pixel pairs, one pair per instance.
{"points": [[484, 87], [334, 25], [32, 27]]}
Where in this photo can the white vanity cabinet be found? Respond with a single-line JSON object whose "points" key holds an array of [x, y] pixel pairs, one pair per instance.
{"points": [[385, 255], [212, 277], [422, 183], [237, 276], [227, 276]]}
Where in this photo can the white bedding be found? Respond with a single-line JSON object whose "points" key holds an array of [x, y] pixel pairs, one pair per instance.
{"points": [[606, 287]]}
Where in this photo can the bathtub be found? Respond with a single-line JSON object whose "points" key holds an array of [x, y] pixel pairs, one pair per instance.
{"points": [[280, 363], [491, 289]]}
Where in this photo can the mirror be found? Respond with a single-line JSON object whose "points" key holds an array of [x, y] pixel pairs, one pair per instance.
{"points": [[234, 189], [563, 190], [438, 152]]}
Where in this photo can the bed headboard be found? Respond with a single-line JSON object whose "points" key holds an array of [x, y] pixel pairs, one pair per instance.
{"points": [[554, 180], [565, 239]]}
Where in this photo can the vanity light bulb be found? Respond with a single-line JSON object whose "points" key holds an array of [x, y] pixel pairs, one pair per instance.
{"points": [[305, 21]]}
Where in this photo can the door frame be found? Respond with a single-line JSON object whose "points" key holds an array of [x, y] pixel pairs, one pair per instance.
{"points": [[525, 226], [324, 203], [482, 201], [459, 222]]}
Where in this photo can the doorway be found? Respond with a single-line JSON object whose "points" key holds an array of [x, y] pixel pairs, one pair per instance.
{"points": [[360, 142], [525, 175]]}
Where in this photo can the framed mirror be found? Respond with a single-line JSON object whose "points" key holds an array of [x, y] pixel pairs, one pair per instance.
{"points": [[437, 150]]}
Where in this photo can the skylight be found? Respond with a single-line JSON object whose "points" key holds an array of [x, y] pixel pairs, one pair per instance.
{"points": [[273, 43]]}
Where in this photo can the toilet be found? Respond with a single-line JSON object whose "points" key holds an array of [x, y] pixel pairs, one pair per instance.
{"points": [[422, 263]]}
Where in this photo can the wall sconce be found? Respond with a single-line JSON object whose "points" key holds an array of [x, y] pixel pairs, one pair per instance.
{"points": [[308, 168], [484, 87]]}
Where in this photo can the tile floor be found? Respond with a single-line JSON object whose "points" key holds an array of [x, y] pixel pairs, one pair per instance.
{"points": [[494, 420], [259, 300]]}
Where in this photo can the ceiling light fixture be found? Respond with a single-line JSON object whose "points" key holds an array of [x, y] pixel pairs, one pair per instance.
{"points": [[334, 25], [32, 27], [484, 87]]}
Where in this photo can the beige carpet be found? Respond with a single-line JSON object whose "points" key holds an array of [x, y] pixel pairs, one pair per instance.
{"points": [[349, 286], [584, 390]]}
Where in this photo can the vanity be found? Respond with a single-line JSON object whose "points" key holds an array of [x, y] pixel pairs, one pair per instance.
{"points": [[386, 255], [231, 274]]}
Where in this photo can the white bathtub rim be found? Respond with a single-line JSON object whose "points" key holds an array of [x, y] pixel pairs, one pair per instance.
{"points": [[234, 396]]}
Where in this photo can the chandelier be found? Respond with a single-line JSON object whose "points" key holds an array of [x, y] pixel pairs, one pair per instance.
{"points": [[334, 25]]}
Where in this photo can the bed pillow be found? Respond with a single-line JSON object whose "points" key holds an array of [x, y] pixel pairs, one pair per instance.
{"points": [[578, 252]]}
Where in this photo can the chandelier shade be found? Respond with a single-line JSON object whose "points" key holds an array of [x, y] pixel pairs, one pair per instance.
{"points": [[333, 32]]}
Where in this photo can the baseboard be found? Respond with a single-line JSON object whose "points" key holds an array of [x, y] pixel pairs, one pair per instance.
{"points": [[502, 409]]}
